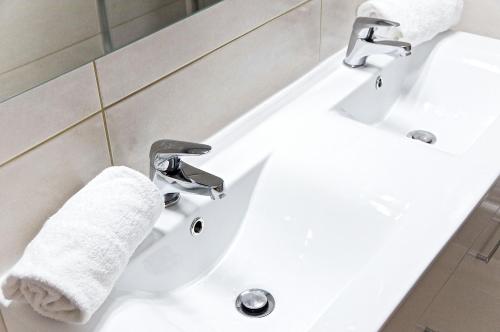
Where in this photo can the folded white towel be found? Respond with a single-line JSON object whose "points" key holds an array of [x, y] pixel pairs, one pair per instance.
{"points": [[421, 20], [70, 267]]}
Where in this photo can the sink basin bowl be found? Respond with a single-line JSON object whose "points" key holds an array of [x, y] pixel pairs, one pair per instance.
{"points": [[447, 90], [338, 215]]}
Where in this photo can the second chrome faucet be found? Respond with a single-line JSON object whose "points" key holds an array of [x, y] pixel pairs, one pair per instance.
{"points": [[173, 176], [363, 42]]}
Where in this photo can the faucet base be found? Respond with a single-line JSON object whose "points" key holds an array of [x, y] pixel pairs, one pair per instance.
{"points": [[354, 66]]}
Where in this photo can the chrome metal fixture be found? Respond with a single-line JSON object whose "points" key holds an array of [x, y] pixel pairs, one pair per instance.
{"points": [[379, 82], [423, 136], [364, 43], [173, 176], [197, 226], [255, 303]]}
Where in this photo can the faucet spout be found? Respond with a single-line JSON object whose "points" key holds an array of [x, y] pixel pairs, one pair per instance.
{"points": [[173, 176], [393, 47], [363, 44]]}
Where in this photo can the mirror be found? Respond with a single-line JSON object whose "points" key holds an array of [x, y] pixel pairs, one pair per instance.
{"points": [[43, 39]]}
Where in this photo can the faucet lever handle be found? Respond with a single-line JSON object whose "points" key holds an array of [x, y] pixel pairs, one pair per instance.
{"points": [[364, 27], [164, 154]]}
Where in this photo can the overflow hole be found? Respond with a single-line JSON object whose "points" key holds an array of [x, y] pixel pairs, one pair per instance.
{"points": [[197, 226]]}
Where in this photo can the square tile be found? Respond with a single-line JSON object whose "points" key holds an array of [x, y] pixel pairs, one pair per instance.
{"points": [[35, 185], [149, 59], [34, 116], [197, 101]]}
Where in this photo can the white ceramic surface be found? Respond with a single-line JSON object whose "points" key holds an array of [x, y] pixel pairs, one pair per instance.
{"points": [[449, 91], [330, 207]]}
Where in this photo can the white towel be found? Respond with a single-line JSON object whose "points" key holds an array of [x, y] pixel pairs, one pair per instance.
{"points": [[70, 267], [421, 20]]}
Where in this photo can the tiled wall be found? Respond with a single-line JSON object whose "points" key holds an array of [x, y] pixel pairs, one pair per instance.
{"points": [[129, 20], [184, 82], [43, 39]]}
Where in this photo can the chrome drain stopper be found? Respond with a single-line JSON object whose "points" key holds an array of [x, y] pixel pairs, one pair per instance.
{"points": [[423, 136], [255, 303]]}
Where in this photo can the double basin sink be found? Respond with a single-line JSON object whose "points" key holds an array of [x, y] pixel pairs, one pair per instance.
{"points": [[334, 205]]}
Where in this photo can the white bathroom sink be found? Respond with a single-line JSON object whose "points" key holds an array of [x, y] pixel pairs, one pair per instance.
{"points": [[330, 207], [448, 90]]}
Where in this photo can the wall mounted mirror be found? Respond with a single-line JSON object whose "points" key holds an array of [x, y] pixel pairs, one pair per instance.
{"points": [[46, 38]]}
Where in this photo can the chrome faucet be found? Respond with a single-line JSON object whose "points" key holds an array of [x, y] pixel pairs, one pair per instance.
{"points": [[173, 176], [363, 42]]}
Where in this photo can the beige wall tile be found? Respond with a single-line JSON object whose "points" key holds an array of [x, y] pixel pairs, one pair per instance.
{"points": [[408, 314], [155, 56], [121, 11], [2, 324], [197, 101], [481, 17], [32, 29], [146, 24], [36, 184], [336, 24], [32, 117], [37, 72]]}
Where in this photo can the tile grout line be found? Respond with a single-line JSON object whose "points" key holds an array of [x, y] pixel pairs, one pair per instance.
{"points": [[85, 39], [103, 113], [50, 54], [197, 59], [75, 44], [50, 138], [104, 108]]}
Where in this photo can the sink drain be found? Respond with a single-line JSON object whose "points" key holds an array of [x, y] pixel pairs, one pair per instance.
{"points": [[255, 303], [423, 136]]}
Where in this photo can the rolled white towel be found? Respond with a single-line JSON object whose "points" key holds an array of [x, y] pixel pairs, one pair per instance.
{"points": [[421, 20], [70, 267]]}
